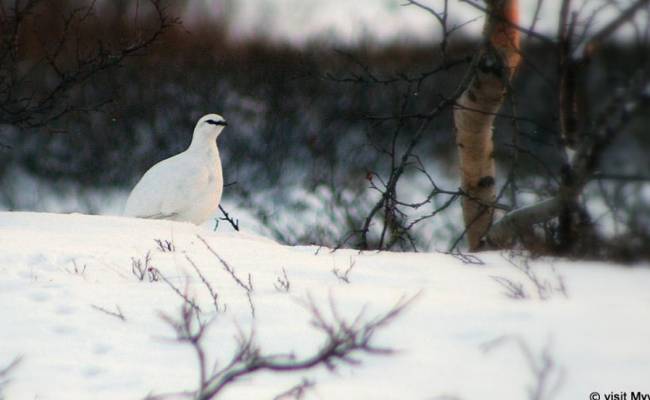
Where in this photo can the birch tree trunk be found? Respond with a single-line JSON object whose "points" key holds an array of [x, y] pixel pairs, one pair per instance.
{"points": [[475, 111]]}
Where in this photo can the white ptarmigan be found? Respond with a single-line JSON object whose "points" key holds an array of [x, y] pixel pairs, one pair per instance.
{"points": [[187, 186]]}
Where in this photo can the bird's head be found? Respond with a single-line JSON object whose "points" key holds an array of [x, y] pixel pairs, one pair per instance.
{"points": [[209, 127]]}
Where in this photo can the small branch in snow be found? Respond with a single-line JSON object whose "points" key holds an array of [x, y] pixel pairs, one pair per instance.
{"points": [[282, 283], [248, 287], [141, 269], [514, 290], [545, 287], [465, 258], [117, 314], [250, 303], [297, 392], [213, 293], [548, 376], [190, 329], [186, 299], [5, 372], [77, 270], [234, 222], [345, 275], [165, 246]]}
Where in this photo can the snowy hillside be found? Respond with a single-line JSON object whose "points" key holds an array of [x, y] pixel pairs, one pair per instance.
{"points": [[74, 309]]}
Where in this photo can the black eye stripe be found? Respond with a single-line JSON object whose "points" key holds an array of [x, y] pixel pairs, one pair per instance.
{"points": [[218, 123]]}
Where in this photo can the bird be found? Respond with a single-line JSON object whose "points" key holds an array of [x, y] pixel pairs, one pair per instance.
{"points": [[186, 187]]}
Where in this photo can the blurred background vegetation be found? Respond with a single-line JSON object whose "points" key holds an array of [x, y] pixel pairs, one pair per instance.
{"points": [[306, 127]]}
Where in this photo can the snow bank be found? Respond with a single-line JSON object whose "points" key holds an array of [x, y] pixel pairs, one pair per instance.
{"points": [[56, 271]]}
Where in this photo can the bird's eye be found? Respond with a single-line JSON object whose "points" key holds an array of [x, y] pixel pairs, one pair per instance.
{"points": [[217, 123]]}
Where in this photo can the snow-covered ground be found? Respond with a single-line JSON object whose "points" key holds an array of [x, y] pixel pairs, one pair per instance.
{"points": [[57, 270]]}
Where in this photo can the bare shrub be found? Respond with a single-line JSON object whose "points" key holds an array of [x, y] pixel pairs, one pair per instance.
{"points": [[545, 287], [142, 269], [343, 342], [41, 86]]}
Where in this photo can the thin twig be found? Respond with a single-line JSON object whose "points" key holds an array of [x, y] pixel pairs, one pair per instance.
{"points": [[117, 314]]}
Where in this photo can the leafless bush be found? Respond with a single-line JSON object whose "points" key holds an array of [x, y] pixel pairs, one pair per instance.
{"points": [[143, 269], [554, 158], [282, 283], [344, 341], [38, 86], [547, 376]]}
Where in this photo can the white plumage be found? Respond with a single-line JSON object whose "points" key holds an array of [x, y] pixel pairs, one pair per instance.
{"points": [[187, 186]]}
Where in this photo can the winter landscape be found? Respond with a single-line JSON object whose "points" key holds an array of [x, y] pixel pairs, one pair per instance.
{"points": [[86, 326], [370, 200]]}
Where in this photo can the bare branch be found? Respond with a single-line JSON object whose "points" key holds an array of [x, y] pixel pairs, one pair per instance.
{"points": [[141, 269], [165, 246], [248, 286], [615, 24], [117, 314], [282, 283], [5, 372], [231, 271], [213, 293], [226, 217], [345, 275], [343, 340], [296, 392], [548, 377], [191, 303], [546, 287]]}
